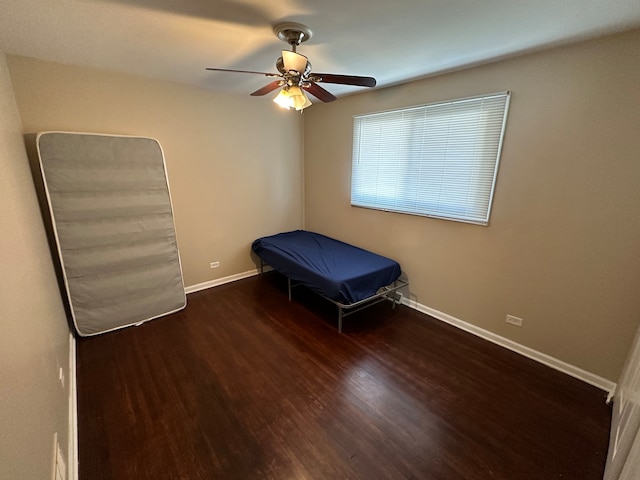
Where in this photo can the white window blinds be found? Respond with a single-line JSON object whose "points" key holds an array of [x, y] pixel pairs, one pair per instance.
{"points": [[437, 160]]}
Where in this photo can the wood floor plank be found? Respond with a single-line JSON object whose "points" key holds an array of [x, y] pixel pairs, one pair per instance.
{"points": [[243, 384]]}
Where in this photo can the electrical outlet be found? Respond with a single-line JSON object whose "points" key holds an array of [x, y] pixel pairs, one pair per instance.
{"points": [[514, 320], [214, 264]]}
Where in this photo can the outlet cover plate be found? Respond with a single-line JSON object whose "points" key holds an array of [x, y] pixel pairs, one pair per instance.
{"points": [[514, 320]]}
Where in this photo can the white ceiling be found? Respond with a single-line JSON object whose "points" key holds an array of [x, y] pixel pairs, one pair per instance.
{"points": [[391, 40]]}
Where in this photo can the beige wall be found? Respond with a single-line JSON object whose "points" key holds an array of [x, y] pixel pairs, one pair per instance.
{"points": [[234, 162], [34, 333], [235, 169], [563, 247]]}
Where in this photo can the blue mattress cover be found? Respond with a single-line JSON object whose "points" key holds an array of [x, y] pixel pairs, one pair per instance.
{"points": [[334, 269]]}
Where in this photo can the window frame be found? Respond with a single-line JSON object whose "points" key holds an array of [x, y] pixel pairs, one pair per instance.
{"points": [[463, 108]]}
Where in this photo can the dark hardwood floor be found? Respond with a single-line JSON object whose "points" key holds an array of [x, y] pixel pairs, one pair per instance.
{"points": [[243, 384]]}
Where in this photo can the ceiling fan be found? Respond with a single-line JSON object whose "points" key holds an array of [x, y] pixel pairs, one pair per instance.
{"points": [[296, 77]]}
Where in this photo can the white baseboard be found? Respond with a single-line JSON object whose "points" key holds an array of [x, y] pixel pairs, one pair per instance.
{"points": [[221, 281], [72, 469], [576, 372]]}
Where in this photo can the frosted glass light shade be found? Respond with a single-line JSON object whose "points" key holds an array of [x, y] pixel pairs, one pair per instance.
{"points": [[294, 61], [292, 97]]}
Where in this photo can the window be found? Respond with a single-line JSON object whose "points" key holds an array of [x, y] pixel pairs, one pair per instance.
{"points": [[438, 160]]}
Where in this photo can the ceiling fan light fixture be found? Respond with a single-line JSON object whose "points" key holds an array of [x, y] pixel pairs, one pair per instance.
{"points": [[292, 97], [307, 103], [299, 100], [283, 98]]}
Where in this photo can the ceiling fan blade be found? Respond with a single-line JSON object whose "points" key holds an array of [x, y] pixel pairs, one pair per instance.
{"points": [[344, 79], [267, 88], [243, 71], [319, 92]]}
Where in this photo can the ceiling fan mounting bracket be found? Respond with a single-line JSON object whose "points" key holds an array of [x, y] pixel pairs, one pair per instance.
{"points": [[292, 33]]}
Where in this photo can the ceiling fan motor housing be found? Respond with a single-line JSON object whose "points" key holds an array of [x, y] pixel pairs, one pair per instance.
{"points": [[298, 66]]}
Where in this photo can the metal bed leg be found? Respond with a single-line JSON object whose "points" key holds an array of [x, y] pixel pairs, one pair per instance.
{"points": [[289, 284], [339, 320], [393, 295]]}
